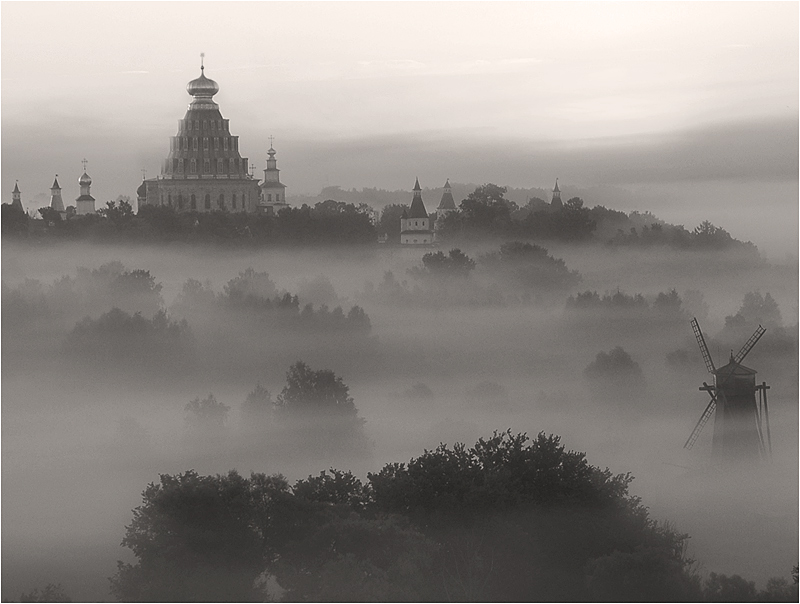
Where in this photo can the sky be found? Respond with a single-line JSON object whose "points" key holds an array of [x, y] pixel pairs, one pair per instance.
{"points": [[692, 105]]}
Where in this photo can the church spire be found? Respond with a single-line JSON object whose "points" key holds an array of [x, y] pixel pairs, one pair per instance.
{"points": [[16, 196], [55, 197], [556, 200]]}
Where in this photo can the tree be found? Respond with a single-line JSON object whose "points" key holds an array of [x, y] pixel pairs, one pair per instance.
{"points": [[201, 538], [455, 264], [615, 375], [486, 209], [309, 392], [389, 223], [13, 220], [206, 415], [722, 588], [257, 407], [50, 593]]}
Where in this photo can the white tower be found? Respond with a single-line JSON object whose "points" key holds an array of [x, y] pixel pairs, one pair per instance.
{"points": [[84, 203]]}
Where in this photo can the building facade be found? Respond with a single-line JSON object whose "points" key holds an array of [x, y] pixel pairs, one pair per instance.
{"points": [[204, 170], [415, 226]]}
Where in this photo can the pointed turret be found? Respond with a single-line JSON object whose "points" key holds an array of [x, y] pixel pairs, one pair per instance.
{"points": [[55, 198], [417, 205], [447, 204], [556, 200], [16, 197], [415, 225]]}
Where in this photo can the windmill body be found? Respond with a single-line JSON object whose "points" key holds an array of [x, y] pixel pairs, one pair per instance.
{"points": [[736, 433], [739, 405]]}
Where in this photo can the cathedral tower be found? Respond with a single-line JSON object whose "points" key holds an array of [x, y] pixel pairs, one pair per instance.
{"points": [[204, 170], [84, 203]]}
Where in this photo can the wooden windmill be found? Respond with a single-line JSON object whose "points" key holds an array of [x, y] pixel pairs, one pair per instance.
{"points": [[740, 405]]}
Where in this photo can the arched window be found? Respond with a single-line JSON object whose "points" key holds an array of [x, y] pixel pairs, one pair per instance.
{"points": [[180, 201], [277, 196], [205, 143], [208, 201], [233, 201], [206, 166], [233, 166], [220, 169], [194, 143], [216, 143], [197, 124], [169, 200], [188, 124], [205, 124], [194, 202], [269, 196], [193, 166], [221, 201], [180, 166], [225, 143]]}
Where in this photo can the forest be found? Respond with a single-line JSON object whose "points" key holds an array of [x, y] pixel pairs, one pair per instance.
{"points": [[224, 407]]}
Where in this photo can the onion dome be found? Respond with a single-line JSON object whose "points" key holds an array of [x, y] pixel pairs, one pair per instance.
{"points": [[84, 180], [202, 86], [202, 89], [142, 190]]}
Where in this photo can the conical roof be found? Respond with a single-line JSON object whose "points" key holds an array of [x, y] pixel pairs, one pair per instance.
{"points": [[447, 202], [417, 205], [16, 188], [556, 189], [55, 183]]}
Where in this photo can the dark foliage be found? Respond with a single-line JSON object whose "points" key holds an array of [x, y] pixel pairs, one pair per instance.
{"points": [[529, 267], [120, 340], [438, 264], [50, 593], [506, 520]]}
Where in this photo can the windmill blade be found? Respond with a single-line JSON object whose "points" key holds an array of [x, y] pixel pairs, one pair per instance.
{"points": [[701, 423], [701, 341], [748, 346]]}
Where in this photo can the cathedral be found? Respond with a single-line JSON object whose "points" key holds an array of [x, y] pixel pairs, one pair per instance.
{"points": [[204, 170]]}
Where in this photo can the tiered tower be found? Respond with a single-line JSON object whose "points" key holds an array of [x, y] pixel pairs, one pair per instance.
{"points": [[415, 226], [84, 203], [273, 192], [204, 170]]}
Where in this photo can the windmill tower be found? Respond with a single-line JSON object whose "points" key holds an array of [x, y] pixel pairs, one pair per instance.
{"points": [[739, 403]]}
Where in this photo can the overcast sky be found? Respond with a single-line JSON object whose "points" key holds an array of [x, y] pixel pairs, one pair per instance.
{"points": [[673, 95]]}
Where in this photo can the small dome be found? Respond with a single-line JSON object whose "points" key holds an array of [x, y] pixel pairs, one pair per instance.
{"points": [[202, 86], [84, 180], [142, 190]]}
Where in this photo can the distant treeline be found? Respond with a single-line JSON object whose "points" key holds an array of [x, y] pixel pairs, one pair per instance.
{"points": [[111, 318], [484, 214]]}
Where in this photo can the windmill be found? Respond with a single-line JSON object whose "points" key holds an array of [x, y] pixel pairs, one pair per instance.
{"points": [[740, 405]]}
